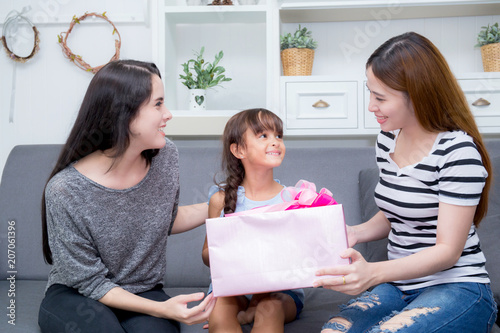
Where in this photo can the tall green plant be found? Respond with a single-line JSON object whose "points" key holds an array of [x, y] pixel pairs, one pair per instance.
{"points": [[199, 74]]}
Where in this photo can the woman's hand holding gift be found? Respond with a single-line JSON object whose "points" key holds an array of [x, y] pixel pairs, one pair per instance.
{"points": [[350, 279]]}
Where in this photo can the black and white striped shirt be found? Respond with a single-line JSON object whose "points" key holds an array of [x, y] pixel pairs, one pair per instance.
{"points": [[452, 173]]}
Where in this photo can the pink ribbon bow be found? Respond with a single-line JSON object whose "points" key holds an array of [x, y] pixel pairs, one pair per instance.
{"points": [[302, 195]]}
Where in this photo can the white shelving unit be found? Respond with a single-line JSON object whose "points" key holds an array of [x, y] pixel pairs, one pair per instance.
{"points": [[242, 32], [347, 33], [363, 10]]}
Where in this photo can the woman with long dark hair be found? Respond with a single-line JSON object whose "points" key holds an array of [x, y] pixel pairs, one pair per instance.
{"points": [[108, 208], [435, 176]]}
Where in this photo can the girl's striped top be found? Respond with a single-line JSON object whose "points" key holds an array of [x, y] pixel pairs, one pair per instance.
{"points": [[452, 173]]}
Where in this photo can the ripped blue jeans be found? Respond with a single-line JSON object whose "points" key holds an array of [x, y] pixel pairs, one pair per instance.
{"points": [[453, 307]]}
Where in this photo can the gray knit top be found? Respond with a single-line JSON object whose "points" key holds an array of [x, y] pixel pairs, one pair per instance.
{"points": [[102, 238]]}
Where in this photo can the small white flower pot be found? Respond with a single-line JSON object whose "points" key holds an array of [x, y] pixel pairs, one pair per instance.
{"points": [[197, 99]]}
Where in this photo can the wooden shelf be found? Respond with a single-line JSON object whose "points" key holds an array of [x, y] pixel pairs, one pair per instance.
{"points": [[342, 11], [193, 125], [216, 14]]}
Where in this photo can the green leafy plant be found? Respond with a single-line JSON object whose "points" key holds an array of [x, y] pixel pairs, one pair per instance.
{"points": [[301, 39], [200, 74], [489, 35]]}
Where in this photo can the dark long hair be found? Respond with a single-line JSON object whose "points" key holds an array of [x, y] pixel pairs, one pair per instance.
{"points": [[257, 120], [112, 101], [410, 63]]}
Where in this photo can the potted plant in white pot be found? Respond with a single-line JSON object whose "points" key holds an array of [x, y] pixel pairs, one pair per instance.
{"points": [[297, 52], [489, 41], [199, 75]]}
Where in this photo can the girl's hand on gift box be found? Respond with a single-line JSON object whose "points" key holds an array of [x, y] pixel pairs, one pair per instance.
{"points": [[350, 279]]}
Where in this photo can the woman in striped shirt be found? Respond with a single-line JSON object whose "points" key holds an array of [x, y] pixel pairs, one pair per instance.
{"points": [[432, 194]]}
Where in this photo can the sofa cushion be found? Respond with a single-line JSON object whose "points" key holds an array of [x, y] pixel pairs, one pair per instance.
{"points": [[489, 231], [368, 179], [23, 180], [320, 304], [185, 268], [333, 168], [28, 296]]}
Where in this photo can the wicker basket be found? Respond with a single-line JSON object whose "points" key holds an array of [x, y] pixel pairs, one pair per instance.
{"points": [[491, 57], [297, 61]]}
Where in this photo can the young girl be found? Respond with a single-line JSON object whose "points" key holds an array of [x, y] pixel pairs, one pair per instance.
{"points": [[252, 147], [432, 194], [109, 206]]}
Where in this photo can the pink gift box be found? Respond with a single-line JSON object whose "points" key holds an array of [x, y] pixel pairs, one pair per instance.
{"points": [[264, 252]]}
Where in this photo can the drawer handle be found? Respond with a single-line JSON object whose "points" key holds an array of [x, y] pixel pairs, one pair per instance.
{"points": [[481, 102], [321, 104]]}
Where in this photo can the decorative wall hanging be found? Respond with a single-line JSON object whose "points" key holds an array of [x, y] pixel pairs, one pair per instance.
{"points": [[9, 31], [76, 59], [12, 18]]}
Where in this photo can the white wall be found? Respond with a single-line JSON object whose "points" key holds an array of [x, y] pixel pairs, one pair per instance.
{"points": [[49, 88]]}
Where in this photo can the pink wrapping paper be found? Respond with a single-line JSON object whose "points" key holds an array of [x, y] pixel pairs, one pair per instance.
{"points": [[272, 251]]}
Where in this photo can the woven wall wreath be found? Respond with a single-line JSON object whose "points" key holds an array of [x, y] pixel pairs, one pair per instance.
{"points": [[36, 44], [76, 59]]}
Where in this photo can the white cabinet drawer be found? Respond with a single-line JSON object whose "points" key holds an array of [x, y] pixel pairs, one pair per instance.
{"points": [[339, 112], [489, 90]]}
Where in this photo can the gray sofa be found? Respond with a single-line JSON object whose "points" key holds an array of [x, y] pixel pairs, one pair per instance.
{"points": [[348, 172]]}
